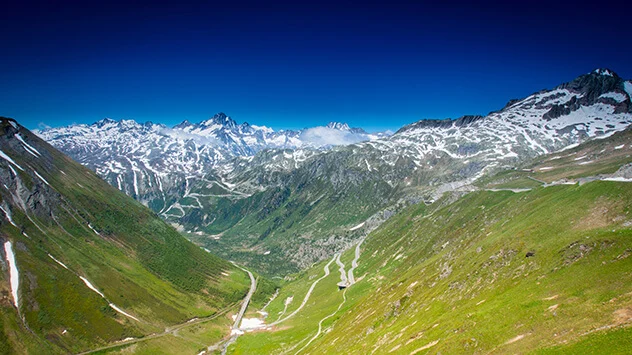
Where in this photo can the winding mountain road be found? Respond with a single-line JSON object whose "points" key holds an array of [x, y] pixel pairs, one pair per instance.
{"points": [[343, 274], [320, 324], [309, 293], [354, 263]]}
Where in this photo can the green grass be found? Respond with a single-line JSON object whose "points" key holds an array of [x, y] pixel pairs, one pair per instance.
{"points": [[408, 300]]}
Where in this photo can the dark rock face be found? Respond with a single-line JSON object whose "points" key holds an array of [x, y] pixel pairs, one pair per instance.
{"points": [[30, 192], [589, 88], [445, 123], [562, 110]]}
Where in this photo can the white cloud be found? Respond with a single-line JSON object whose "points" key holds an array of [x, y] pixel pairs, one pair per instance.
{"points": [[325, 136]]}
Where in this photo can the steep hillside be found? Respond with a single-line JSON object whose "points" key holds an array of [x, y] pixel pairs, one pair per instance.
{"points": [[517, 269], [83, 265]]}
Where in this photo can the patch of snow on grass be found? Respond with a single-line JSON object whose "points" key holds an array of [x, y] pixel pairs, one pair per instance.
{"points": [[122, 312], [7, 213], [251, 323], [41, 178], [90, 286], [28, 147], [571, 146], [13, 270], [7, 158], [94, 230], [357, 227], [619, 179], [59, 262]]}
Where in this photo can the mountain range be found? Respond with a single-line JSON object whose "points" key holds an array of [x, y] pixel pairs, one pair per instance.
{"points": [[434, 231], [209, 178]]}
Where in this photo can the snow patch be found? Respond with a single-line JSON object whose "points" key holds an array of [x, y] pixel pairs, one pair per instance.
{"points": [[618, 179], [570, 146], [7, 213], [616, 96], [251, 323], [628, 88], [59, 262], [90, 286], [13, 271], [122, 312], [41, 178], [357, 227], [94, 230], [7, 158], [28, 147]]}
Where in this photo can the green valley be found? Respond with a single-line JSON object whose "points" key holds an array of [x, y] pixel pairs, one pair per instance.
{"points": [[544, 270]]}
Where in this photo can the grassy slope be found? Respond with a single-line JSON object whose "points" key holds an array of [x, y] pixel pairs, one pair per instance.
{"points": [[444, 288], [138, 262]]}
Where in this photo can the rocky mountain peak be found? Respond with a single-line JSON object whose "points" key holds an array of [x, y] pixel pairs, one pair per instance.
{"points": [[595, 83], [104, 122], [604, 72], [183, 124], [220, 119], [338, 125]]}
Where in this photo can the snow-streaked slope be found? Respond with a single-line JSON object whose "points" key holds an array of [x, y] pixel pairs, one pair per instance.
{"points": [[538, 124]]}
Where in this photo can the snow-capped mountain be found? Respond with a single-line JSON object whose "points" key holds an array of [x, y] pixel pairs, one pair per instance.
{"points": [[595, 105], [152, 161], [147, 160]]}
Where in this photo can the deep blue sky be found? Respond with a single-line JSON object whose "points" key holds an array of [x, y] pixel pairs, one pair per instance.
{"points": [[297, 64]]}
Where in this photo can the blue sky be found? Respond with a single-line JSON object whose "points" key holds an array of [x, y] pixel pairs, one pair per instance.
{"points": [[292, 65]]}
